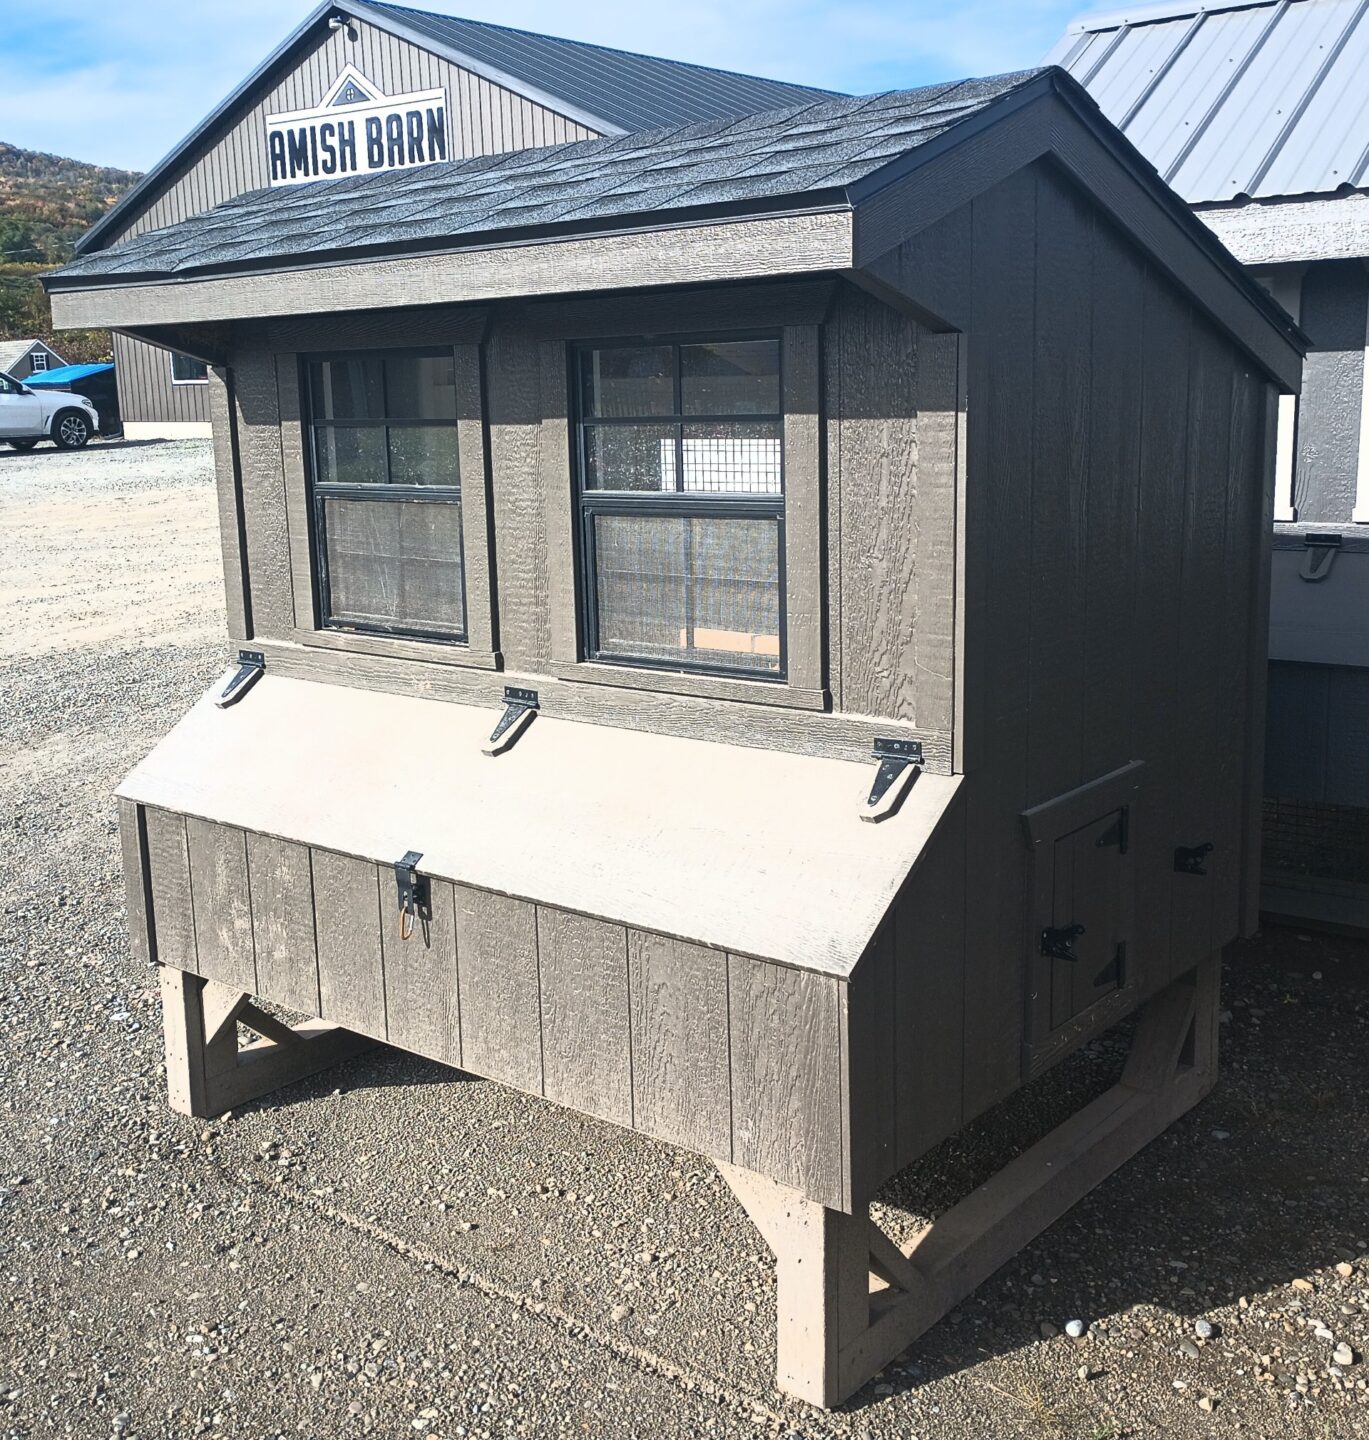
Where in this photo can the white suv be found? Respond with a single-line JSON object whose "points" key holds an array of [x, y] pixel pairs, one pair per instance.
{"points": [[28, 416]]}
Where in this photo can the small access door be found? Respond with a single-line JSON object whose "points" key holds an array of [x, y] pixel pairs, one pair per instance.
{"points": [[1082, 890]]}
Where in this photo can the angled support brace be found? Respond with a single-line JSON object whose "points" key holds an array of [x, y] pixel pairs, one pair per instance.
{"points": [[206, 1071], [850, 1299]]}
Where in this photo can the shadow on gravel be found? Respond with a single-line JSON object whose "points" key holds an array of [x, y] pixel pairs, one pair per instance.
{"points": [[46, 448], [1262, 1183]]}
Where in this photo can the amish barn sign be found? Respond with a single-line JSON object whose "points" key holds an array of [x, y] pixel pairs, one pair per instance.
{"points": [[357, 130]]}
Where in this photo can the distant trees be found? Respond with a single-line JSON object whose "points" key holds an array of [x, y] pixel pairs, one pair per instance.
{"points": [[47, 203]]}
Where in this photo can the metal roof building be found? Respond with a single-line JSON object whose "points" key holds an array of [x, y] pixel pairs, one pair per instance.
{"points": [[1258, 115]]}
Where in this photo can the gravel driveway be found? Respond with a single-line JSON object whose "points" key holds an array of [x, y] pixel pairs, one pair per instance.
{"points": [[394, 1250]]}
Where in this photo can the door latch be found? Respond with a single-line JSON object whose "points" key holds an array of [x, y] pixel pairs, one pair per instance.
{"points": [[1190, 859], [251, 667], [413, 894], [1057, 941], [520, 708]]}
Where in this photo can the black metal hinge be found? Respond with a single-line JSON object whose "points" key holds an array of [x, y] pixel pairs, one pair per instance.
{"points": [[894, 756], [1188, 859], [1057, 941], [251, 667], [520, 708], [412, 893]]}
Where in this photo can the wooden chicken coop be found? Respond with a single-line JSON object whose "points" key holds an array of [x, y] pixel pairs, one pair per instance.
{"points": [[753, 632]]}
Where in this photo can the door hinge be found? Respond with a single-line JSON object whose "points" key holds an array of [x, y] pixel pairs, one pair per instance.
{"points": [[251, 667], [520, 709], [1319, 554], [1057, 941], [895, 758], [1189, 859]]}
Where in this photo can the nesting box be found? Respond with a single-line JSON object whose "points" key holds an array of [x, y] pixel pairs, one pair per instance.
{"points": [[754, 633]]}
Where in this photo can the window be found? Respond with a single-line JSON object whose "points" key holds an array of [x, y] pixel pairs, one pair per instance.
{"points": [[387, 493], [38, 360], [681, 500], [187, 371]]}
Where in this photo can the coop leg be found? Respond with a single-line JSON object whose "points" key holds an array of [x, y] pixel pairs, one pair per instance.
{"points": [[207, 1073], [849, 1299]]}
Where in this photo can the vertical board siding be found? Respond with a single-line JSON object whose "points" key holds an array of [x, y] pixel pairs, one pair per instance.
{"points": [[146, 392], [168, 860], [586, 1037], [680, 1061], [422, 990], [786, 1098], [281, 887], [347, 921], [895, 477], [137, 892], [221, 904], [496, 958]]}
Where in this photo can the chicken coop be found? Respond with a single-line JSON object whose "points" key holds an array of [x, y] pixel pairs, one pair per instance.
{"points": [[754, 632]]}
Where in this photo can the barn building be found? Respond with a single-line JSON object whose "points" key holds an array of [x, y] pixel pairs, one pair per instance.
{"points": [[21, 358], [369, 87], [753, 631], [1254, 111]]}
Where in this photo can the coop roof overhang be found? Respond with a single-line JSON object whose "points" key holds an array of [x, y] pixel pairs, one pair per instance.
{"points": [[826, 186], [758, 852]]}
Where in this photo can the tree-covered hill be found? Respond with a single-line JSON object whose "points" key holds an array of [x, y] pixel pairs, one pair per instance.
{"points": [[47, 202]]}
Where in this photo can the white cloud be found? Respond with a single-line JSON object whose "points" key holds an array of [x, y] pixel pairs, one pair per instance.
{"points": [[121, 84]]}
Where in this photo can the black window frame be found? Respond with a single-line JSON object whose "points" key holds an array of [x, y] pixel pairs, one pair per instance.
{"points": [[679, 503], [320, 491]]}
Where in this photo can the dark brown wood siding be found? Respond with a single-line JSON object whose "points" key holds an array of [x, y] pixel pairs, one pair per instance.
{"points": [[146, 392], [1118, 478]]}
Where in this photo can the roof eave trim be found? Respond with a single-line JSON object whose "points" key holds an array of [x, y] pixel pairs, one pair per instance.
{"points": [[362, 11]]}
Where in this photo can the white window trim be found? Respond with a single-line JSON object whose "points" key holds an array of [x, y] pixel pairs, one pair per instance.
{"points": [[1360, 515], [35, 356], [171, 368]]}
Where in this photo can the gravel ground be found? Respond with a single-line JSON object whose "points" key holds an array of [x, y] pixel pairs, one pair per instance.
{"points": [[394, 1249]]}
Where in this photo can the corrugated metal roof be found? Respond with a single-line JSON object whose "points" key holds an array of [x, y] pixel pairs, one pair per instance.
{"points": [[1231, 99], [783, 158], [631, 91]]}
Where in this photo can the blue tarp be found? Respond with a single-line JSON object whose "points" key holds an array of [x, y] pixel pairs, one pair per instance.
{"points": [[63, 376]]}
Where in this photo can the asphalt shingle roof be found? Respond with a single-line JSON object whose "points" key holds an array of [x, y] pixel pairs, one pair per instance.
{"points": [[796, 152], [631, 91]]}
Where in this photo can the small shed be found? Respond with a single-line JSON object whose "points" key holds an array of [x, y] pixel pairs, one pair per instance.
{"points": [[1246, 108], [95, 382], [22, 358], [753, 632]]}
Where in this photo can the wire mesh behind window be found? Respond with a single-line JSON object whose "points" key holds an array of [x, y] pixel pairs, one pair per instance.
{"points": [[702, 590]]}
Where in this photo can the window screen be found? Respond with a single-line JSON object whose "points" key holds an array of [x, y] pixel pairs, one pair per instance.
{"points": [[187, 371], [682, 504], [387, 493]]}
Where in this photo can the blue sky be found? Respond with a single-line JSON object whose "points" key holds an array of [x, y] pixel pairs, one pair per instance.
{"points": [[119, 83]]}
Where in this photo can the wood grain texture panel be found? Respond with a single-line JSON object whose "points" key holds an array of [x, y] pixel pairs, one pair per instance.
{"points": [[347, 918], [556, 483], [786, 1076], [586, 1036], [169, 881], [680, 1068], [1064, 290], [496, 958], [930, 1000], [294, 478], [803, 558], [1113, 632], [1160, 730], [223, 904], [232, 541], [869, 1056], [257, 400], [422, 988], [997, 635], [477, 541], [282, 887], [514, 376], [137, 882]]}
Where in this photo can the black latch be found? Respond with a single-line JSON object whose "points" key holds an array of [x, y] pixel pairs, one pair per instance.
{"points": [[1319, 553], [894, 757], [412, 892], [1057, 941], [520, 706], [251, 667], [1188, 859]]}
